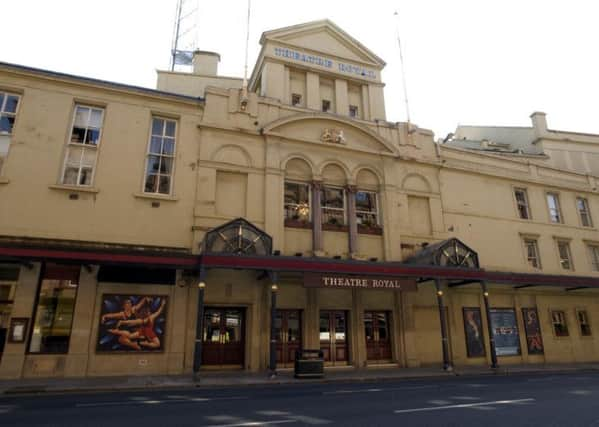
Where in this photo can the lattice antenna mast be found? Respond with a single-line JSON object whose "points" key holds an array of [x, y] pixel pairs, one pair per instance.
{"points": [[403, 73], [176, 29]]}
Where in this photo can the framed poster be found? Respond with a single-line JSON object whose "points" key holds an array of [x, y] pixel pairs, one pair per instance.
{"points": [[132, 323], [17, 331], [532, 328], [475, 343], [505, 331]]}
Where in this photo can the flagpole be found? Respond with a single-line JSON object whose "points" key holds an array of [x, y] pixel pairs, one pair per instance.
{"points": [[403, 73]]}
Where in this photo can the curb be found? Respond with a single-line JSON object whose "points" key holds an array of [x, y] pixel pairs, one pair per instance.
{"points": [[36, 390]]}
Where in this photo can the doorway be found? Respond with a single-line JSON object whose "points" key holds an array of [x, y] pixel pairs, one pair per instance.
{"points": [[288, 333], [223, 337], [333, 337], [378, 337]]}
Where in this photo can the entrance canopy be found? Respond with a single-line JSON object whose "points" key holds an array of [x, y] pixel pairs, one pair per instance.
{"points": [[238, 237]]}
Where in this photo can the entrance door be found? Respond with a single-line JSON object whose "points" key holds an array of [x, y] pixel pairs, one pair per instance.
{"points": [[288, 333], [223, 337], [378, 338], [333, 337]]}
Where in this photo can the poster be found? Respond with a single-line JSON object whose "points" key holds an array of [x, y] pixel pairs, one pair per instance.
{"points": [[132, 323], [475, 344], [505, 331], [534, 341]]}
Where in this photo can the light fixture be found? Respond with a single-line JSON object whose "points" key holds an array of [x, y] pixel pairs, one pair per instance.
{"points": [[274, 287], [440, 293], [485, 293], [202, 285]]}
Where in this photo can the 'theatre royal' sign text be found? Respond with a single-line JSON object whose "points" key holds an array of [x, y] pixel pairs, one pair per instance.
{"points": [[318, 280]]}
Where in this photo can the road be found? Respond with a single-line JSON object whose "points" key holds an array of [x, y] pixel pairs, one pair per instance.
{"points": [[523, 400]]}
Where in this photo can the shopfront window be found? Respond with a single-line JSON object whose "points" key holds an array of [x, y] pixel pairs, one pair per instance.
{"points": [[8, 283], [54, 309]]}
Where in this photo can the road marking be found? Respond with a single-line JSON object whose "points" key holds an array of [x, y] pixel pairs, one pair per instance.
{"points": [[151, 401], [253, 423], [374, 390], [464, 405]]}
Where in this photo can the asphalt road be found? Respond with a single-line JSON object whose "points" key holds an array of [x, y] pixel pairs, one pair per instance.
{"points": [[524, 400]]}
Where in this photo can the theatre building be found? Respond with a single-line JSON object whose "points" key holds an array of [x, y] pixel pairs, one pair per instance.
{"points": [[214, 224]]}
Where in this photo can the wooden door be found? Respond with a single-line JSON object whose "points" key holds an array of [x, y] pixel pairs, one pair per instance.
{"points": [[223, 337], [288, 333], [334, 337], [378, 336]]}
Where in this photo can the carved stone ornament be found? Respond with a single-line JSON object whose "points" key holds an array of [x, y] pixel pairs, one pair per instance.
{"points": [[333, 136]]}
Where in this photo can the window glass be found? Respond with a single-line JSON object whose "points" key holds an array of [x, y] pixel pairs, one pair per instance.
{"points": [[297, 201], [332, 201], [80, 158], [366, 208], [564, 255], [161, 156], [326, 105], [594, 254], [554, 208], [532, 253], [54, 310], [583, 322], [560, 328], [582, 205], [522, 203], [353, 111], [8, 110]]}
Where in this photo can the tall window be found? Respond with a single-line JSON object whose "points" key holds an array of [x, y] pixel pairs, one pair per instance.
{"points": [[161, 156], [367, 208], [565, 257], [82, 148], [583, 323], [9, 104], [353, 111], [332, 202], [297, 201], [532, 253], [326, 105], [560, 327], [522, 203], [296, 99], [555, 214], [594, 254], [582, 205], [54, 310]]}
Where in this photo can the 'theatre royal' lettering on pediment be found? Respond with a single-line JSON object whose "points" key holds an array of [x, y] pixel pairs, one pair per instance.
{"points": [[318, 280], [325, 62]]}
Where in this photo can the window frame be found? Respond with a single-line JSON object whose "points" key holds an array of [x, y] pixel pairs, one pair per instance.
{"points": [[15, 115], [322, 104], [70, 144], [535, 242], [285, 204], [173, 157], [299, 100], [562, 314], [356, 113], [586, 211], [524, 191], [565, 244], [344, 209], [558, 209], [587, 323]]}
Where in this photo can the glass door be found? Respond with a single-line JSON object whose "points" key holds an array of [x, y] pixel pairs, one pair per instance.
{"points": [[333, 337], [288, 334], [223, 337], [378, 337]]}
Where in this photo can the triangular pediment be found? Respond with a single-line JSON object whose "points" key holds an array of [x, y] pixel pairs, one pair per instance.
{"points": [[325, 37], [330, 132]]}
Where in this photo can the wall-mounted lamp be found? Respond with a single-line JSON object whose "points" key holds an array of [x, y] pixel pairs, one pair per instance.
{"points": [[485, 293], [440, 293], [202, 285], [274, 287]]}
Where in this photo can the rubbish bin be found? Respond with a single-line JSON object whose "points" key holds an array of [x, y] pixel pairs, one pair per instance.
{"points": [[309, 364]]}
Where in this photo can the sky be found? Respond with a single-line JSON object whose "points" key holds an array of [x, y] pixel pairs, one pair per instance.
{"points": [[470, 62]]}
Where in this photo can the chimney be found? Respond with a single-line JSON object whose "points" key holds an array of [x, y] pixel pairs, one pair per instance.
{"points": [[205, 63], [539, 123]]}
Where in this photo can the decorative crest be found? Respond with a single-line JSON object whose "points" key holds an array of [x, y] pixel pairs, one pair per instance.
{"points": [[333, 136]]}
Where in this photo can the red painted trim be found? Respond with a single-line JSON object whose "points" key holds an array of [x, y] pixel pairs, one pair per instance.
{"points": [[57, 254]]}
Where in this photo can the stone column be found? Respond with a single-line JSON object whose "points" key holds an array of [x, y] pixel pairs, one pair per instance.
{"points": [[316, 219], [352, 220]]}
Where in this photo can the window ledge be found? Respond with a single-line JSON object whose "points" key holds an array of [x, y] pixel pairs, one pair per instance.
{"points": [[73, 188], [4, 180], [152, 196]]}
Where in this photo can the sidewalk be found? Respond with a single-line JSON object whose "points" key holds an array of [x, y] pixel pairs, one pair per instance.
{"points": [[214, 379]]}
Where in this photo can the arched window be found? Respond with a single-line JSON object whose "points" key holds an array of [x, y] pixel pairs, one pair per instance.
{"points": [[237, 237]]}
